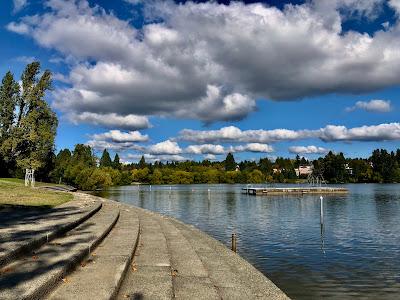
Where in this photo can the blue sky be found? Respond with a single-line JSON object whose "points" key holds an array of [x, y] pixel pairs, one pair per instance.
{"points": [[189, 80]]}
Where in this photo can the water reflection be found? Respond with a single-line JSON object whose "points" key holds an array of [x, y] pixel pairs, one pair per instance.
{"points": [[354, 253]]}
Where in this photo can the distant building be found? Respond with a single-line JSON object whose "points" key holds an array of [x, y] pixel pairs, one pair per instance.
{"points": [[237, 168], [348, 169], [303, 170], [276, 170]]}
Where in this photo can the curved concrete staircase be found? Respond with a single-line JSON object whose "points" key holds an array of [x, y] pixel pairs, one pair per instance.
{"points": [[92, 248]]}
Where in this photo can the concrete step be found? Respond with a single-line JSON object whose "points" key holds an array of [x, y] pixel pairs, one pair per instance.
{"points": [[100, 276], [34, 276], [234, 277], [191, 279], [150, 276], [26, 230]]}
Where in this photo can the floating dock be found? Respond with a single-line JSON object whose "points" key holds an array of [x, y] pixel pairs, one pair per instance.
{"points": [[293, 190]]}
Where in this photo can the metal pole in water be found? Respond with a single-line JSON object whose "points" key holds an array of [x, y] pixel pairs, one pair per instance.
{"points": [[234, 242], [322, 224], [322, 210], [150, 187]]}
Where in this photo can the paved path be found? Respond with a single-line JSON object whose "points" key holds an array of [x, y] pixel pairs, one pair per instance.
{"points": [[124, 252]]}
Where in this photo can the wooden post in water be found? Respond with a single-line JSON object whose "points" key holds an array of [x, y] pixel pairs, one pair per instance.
{"points": [[234, 242]]}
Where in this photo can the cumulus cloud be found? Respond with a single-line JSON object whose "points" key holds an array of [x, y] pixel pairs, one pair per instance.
{"points": [[153, 158], [25, 59], [234, 134], [134, 1], [308, 150], [205, 149], [330, 133], [111, 120], [349, 8], [395, 4], [381, 132], [165, 147], [375, 105], [19, 5], [20, 28], [118, 136], [101, 144], [229, 55], [60, 77], [210, 157], [253, 147], [171, 147]]}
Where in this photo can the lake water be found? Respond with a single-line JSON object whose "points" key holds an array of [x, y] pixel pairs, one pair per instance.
{"points": [[357, 253]]}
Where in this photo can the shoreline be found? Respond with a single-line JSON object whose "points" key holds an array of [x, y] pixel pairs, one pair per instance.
{"points": [[262, 283]]}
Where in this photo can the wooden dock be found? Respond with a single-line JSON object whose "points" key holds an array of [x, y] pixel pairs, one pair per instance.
{"points": [[293, 190]]}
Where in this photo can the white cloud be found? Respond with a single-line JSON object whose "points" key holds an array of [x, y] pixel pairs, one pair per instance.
{"points": [[134, 1], [253, 147], [375, 105], [229, 55], [329, 133], [165, 147], [19, 5], [111, 120], [121, 137], [395, 4], [349, 8], [153, 158], [25, 59], [210, 157], [234, 134], [60, 77], [20, 28], [308, 150], [381, 132], [205, 149], [101, 144]]}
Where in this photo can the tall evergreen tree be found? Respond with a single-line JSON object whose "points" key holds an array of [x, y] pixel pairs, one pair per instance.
{"points": [[82, 155], [297, 161], [142, 163], [116, 162], [230, 164], [265, 165], [105, 160], [62, 162]]}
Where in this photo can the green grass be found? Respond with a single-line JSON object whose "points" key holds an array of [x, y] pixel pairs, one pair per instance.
{"points": [[14, 192]]}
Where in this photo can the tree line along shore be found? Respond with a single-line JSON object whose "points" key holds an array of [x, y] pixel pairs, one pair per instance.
{"points": [[84, 170], [28, 129]]}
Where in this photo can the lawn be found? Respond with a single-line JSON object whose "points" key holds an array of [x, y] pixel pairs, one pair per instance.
{"points": [[14, 192]]}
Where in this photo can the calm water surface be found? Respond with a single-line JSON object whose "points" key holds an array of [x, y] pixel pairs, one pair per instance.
{"points": [[357, 253]]}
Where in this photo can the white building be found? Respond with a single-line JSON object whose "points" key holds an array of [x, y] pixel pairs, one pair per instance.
{"points": [[348, 169], [303, 170]]}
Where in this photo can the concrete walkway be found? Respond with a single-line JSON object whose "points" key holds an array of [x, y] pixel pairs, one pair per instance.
{"points": [[124, 252]]}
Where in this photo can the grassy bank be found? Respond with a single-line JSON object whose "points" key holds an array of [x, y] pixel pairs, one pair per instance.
{"points": [[14, 192]]}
